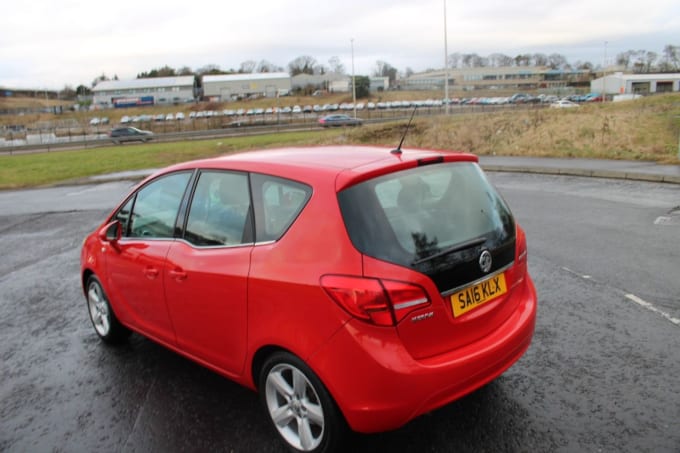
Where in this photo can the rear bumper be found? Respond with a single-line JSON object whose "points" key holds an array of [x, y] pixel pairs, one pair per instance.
{"points": [[379, 386]]}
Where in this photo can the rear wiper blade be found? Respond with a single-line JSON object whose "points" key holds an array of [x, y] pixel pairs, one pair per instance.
{"points": [[456, 248]]}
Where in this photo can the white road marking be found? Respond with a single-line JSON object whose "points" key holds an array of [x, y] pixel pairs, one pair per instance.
{"points": [[652, 308], [631, 297]]}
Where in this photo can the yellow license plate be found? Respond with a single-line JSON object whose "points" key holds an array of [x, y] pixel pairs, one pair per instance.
{"points": [[477, 295]]}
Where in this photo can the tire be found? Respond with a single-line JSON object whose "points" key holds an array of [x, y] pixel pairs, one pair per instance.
{"points": [[299, 407], [104, 320]]}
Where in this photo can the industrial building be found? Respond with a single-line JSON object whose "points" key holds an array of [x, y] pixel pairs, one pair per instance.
{"points": [[220, 88], [148, 91], [620, 83], [517, 78]]}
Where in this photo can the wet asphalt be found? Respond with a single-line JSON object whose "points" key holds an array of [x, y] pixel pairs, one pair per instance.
{"points": [[601, 373]]}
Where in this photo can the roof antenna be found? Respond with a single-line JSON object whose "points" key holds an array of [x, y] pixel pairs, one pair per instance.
{"points": [[397, 150]]}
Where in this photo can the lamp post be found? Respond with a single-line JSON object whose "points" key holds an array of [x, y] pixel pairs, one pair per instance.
{"points": [[446, 64], [604, 73], [354, 86]]}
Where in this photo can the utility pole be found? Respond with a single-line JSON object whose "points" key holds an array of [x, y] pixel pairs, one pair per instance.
{"points": [[446, 64], [354, 85], [604, 74]]}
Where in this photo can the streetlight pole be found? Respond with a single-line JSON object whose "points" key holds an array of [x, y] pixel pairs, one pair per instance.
{"points": [[354, 85], [446, 63], [604, 73]]}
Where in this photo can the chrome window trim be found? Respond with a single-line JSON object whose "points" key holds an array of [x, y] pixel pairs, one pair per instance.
{"points": [[480, 280]]}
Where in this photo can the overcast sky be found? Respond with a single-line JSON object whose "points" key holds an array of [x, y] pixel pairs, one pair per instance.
{"points": [[53, 43]]}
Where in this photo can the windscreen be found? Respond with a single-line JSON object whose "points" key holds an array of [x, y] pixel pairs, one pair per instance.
{"points": [[429, 218]]}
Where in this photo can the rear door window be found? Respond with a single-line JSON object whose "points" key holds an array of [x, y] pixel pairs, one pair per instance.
{"points": [[220, 213]]}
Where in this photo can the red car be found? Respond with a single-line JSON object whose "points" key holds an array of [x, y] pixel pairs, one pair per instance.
{"points": [[353, 287]]}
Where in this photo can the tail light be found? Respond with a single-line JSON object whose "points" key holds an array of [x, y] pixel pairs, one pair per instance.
{"points": [[380, 302], [520, 267]]}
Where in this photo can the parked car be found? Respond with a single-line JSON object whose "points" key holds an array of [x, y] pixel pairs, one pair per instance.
{"points": [[350, 286], [563, 104], [94, 121], [179, 116], [338, 120], [130, 134]]}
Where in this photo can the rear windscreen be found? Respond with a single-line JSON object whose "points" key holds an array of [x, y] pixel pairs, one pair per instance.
{"points": [[419, 215]]}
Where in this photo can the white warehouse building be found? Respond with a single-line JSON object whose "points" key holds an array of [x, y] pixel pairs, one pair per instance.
{"points": [[220, 88], [148, 91], [620, 83]]}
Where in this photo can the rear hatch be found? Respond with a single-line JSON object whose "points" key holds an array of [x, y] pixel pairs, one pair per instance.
{"points": [[445, 228]]}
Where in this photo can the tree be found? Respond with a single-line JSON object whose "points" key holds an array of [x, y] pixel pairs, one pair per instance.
{"points": [[472, 60], [101, 78], [499, 60], [185, 71], [336, 65], [454, 60], [540, 59], [671, 57], [82, 90], [211, 69], [384, 69], [266, 66], [523, 60], [623, 59], [557, 61], [165, 71], [362, 86], [247, 67], [302, 65], [67, 93]]}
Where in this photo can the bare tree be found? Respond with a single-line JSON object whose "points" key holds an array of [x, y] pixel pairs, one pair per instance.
{"points": [[302, 65], [211, 69], [523, 60], [336, 65], [266, 66], [557, 61], [623, 59], [472, 60], [650, 59], [499, 60], [247, 66], [455, 60], [540, 59], [101, 78], [384, 69]]}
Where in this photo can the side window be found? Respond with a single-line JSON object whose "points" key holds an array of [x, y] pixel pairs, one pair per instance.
{"points": [[156, 205], [282, 200], [220, 210]]}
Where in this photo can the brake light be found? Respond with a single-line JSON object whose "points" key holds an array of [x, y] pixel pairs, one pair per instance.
{"points": [[520, 267], [380, 302]]}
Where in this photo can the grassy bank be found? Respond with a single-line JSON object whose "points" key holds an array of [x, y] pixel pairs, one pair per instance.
{"points": [[30, 170], [645, 129]]}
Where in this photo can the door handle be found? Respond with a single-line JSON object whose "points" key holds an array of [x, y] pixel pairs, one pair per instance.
{"points": [[178, 274], [151, 272]]}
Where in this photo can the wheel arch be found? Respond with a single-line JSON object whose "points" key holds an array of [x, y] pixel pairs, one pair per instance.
{"points": [[258, 361], [87, 273]]}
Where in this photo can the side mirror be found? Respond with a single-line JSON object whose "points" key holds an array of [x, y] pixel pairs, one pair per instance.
{"points": [[111, 232]]}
